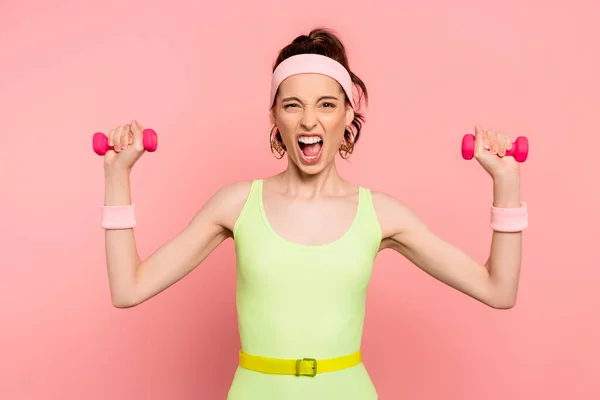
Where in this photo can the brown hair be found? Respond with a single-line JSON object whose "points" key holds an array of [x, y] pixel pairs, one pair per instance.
{"points": [[325, 42]]}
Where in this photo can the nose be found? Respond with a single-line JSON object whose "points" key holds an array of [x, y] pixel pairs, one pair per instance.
{"points": [[309, 118]]}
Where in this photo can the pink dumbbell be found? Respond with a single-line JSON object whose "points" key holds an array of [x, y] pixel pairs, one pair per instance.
{"points": [[100, 142], [519, 149]]}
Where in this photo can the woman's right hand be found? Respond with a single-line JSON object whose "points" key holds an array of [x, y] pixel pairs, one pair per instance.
{"points": [[128, 147]]}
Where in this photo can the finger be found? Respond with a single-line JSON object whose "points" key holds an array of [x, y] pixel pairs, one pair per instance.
{"points": [[491, 141], [130, 135], [479, 140], [125, 133], [509, 143], [111, 135], [484, 139], [117, 139], [501, 143]]}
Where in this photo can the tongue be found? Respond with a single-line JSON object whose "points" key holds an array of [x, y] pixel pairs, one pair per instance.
{"points": [[311, 149]]}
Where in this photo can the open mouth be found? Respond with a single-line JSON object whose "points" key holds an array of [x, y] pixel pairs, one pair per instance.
{"points": [[310, 148]]}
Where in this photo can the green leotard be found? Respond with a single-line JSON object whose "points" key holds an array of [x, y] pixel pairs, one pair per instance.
{"points": [[297, 301]]}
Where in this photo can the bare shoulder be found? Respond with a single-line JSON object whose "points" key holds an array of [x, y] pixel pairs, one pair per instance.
{"points": [[218, 214], [394, 216], [227, 203]]}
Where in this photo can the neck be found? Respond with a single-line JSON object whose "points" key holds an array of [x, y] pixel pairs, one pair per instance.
{"points": [[300, 184]]}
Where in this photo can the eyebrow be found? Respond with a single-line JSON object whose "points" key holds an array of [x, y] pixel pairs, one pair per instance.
{"points": [[300, 101]]}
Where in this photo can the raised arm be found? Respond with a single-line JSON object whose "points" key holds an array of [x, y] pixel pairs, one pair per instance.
{"points": [[133, 281], [494, 283]]}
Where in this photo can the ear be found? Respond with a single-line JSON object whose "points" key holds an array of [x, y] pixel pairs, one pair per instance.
{"points": [[272, 116], [349, 114]]}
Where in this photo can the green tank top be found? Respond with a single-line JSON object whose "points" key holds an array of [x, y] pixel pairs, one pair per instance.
{"points": [[297, 301]]}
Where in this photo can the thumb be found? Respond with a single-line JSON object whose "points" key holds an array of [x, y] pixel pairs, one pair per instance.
{"points": [[137, 130], [479, 141]]}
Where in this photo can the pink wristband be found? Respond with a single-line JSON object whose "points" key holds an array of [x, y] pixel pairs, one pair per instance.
{"points": [[118, 217], [509, 219]]}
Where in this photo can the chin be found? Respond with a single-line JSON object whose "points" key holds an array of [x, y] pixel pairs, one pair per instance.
{"points": [[311, 170]]}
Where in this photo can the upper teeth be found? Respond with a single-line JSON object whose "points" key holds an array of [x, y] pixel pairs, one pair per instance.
{"points": [[309, 139]]}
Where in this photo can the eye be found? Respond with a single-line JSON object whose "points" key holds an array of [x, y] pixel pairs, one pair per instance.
{"points": [[290, 105], [328, 105]]}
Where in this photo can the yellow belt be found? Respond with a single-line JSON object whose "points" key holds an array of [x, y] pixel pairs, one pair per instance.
{"points": [[299, 367]]}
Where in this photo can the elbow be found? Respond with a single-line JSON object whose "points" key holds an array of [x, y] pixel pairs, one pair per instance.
{"points": [[503, 306], [123, 302], [501, 297], [503, 303]]}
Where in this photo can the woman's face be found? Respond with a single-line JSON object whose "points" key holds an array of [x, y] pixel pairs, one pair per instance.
{"points": [[311, 115]]}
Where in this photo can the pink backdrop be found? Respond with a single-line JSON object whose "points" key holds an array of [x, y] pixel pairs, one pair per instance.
{"points": [[199, 75]]}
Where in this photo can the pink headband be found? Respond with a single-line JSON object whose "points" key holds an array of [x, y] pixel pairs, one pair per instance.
{"points": [[311, 63]]}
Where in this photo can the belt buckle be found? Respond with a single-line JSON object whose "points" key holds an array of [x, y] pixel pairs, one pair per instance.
{"points": [[314, 366]]}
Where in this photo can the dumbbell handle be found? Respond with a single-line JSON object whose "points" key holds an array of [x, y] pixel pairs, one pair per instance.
{"points": [[100, 142], [519, 149]]}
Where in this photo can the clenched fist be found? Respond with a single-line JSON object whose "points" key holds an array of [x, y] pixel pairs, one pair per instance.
{"points": [[127, 144]]}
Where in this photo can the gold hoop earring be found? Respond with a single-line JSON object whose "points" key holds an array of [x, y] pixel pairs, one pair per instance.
{"points": [[277, 147], [346, 148]]}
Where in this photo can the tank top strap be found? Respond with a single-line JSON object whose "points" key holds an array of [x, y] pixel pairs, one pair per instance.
{"points": [[367, 221], [251, 211]]}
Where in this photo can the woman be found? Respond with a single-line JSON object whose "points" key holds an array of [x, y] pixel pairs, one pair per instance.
{"points": [[306, 238]]}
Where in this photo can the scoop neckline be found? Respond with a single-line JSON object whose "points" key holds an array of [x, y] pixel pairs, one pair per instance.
{"points": [[280, 238]]}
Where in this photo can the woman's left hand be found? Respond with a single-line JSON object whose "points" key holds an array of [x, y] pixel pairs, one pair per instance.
{"points": [[490, 152]]}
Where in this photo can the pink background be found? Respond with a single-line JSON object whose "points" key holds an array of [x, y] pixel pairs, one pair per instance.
{"points": [[199, 75]]}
